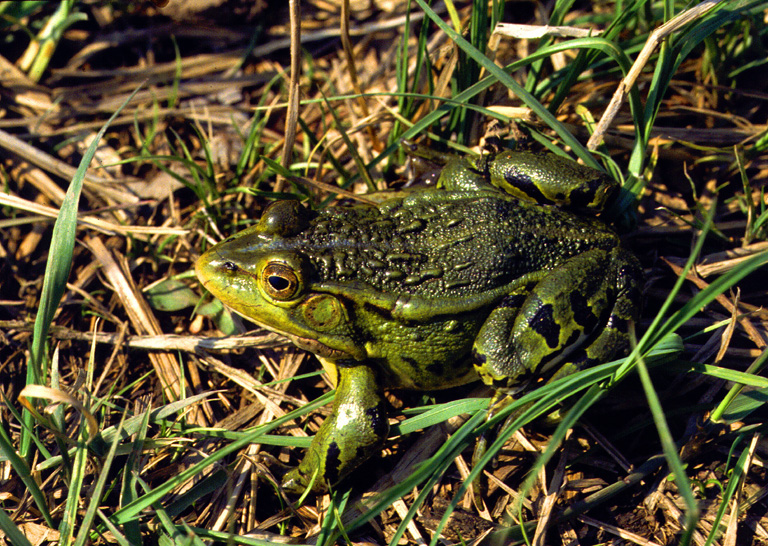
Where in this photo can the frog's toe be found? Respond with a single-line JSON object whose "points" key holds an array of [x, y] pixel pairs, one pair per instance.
{"points": [[295, 483]]}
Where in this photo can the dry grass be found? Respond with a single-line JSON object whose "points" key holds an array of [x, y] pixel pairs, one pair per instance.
{"points": [[153, 416]]}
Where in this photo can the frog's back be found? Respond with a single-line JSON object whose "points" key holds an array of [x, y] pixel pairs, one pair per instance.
{"points": [[436, 243]]}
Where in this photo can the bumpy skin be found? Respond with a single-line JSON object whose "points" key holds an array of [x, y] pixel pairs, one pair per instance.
{"points": [[475, 277]]}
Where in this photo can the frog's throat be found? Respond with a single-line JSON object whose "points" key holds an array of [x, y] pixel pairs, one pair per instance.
{"points": [[308, 344]]}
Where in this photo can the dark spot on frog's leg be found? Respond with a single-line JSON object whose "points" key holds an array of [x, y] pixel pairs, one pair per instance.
{"points": [[332, 463], [620, 324], [410, 361], [478, 358], [543, 323], [573, 338], [524, 183], [377, 416], [436, 369], [582, 313], [512, 301], [581, 197]]}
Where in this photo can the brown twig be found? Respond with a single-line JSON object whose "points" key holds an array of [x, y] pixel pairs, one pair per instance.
{"points": [[292, 113]]}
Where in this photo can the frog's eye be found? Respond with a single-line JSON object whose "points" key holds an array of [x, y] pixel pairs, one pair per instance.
{"points": [[280, 281]]}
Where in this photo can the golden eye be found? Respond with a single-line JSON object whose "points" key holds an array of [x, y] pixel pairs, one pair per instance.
{"points": [[280, 281]]}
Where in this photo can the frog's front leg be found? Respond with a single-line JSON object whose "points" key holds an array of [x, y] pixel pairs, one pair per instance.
{"points": [[353, 432], [575, 316]]}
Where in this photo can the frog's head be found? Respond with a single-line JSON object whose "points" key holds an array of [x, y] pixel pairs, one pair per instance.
{"points": [[261, 274]]}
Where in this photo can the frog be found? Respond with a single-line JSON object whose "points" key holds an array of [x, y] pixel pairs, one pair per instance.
{"points": [[501, 272]]}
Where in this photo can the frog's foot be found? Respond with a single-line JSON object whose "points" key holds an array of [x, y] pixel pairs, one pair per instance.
{"points": [[542, 178], [576, 316], [549, 178], [353, 432]]}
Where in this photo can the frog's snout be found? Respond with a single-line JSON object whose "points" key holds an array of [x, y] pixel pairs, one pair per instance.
{"points": [[207, 265]]}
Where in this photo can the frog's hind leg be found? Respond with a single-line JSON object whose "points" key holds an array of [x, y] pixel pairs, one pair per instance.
{"points": [[574, 317], [613, 337], [355, 430]]}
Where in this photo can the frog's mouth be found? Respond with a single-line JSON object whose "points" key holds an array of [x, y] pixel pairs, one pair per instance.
{"points": [[308, 344], [315, 347]]}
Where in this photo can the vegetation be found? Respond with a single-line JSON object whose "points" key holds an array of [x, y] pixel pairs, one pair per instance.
{"points": [[134, 136]]}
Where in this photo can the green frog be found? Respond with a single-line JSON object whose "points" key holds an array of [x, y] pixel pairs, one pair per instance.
{"points": [[499, 272]]}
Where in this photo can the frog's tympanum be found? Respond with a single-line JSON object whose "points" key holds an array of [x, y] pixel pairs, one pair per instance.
{"points": [[498, 272]]}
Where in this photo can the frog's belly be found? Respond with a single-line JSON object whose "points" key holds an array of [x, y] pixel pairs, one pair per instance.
{"points": [[453, 375], [426, 357]]}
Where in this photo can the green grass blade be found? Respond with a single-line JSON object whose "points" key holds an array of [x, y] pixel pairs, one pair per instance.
{"points": [[50, 36], [429, 472], [60, 257], [118, 536], [655, 331], [133, 509], [670, 58], [587, 400], [131, 471], [439, 413], [12, 533], [95, 495], [670, 452], [131, 426], [208, 484], [222, 537], [707, 295], [461, 100], [750, 400], [549, 396], [68, 523], [743, 378], [734, 481], [500, 75], [743, 405], [175, 535], [362, 170], [21, 468]]}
